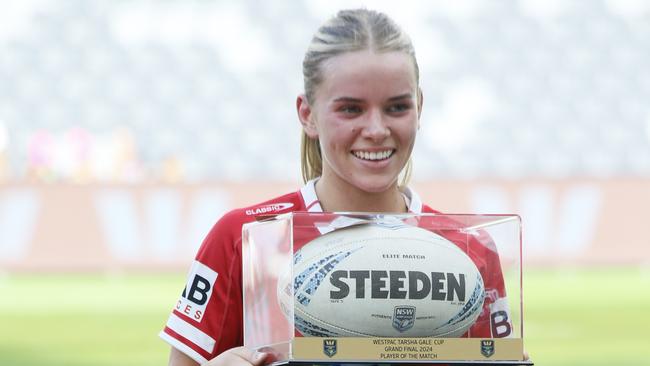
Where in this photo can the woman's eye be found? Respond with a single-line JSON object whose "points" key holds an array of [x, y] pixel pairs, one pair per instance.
{"points": [[397, 108], [350, 109]]}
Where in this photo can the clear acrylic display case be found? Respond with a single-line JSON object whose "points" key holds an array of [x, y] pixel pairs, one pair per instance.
{"points": [[268, 248]]}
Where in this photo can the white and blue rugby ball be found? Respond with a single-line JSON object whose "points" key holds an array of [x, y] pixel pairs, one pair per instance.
{"points": [[376, 280]]}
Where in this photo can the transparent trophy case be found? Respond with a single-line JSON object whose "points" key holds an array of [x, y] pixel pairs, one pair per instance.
{"points": [[274, 280]]}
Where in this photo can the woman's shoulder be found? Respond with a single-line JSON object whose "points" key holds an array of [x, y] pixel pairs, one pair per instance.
{"points": [[288, 202], [226, 232], [480, 240], [427, 209]]}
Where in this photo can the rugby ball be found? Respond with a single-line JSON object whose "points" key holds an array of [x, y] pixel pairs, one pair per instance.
{"points": [[376, 280]]}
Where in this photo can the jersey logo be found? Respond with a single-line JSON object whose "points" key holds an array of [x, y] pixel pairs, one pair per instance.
{"points": [[274, 207], [196, 295]]}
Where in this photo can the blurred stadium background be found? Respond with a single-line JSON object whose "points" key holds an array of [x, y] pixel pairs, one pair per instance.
{"points": [[128, 127]]}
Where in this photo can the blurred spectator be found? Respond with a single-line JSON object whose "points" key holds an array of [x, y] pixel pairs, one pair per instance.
{"points": [[78, 156], [125, 164], [40, 148], [172, 170], [4, 152]]}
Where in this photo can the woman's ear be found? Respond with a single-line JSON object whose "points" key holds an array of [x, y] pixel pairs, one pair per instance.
{"points": [[420, 102], [306, 116]]}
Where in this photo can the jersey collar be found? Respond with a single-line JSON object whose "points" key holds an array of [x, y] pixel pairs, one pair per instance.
{"points": [[308, 193]]}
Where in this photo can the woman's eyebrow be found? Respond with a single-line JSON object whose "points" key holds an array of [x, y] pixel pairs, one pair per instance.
{"points": [[356, 100], [348, 99], [400, 97]]}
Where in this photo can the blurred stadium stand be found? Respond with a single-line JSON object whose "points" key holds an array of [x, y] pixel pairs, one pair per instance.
{"points": [[146, 113], [129, 91]]}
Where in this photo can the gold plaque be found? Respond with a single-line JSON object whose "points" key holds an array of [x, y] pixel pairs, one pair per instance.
{"points": [[407, 349]]}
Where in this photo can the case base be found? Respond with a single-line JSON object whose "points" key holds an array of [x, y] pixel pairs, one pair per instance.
{"points": [[391, 363]]}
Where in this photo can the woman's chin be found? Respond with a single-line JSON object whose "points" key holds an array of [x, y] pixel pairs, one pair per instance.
{"points": [[376, 185]]}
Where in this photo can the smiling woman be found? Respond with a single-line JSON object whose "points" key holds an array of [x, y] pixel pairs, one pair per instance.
{"points": [[365, 116], [360, 114]]}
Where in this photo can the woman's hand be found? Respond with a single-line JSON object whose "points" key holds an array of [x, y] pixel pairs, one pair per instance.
{"points": [[239, 356]]}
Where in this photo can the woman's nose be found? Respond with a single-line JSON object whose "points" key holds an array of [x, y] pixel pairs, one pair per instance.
{"points": [[376, 127]]}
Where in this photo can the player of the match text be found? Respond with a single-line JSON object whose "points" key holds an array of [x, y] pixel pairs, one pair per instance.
{"points": [[413, 349]]}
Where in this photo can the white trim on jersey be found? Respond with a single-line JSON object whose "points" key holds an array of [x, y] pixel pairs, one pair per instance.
{"points": [[182, 347], [308, 193], [191, 333], [415, 203]]}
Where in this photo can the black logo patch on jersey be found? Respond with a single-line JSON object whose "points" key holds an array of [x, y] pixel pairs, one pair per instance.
{"points": [[196, 295], [198, 291]]}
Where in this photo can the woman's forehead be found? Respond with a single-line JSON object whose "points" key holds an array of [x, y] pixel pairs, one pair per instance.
{"points": [[368, 72]]}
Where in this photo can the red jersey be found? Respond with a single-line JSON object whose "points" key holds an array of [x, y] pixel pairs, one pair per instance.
{"points": [[208, 317]]}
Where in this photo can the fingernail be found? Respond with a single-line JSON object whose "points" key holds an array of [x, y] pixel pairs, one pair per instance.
{"points": [[259, 355]]}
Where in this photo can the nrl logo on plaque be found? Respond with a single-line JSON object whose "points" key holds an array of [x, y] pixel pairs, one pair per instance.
{"points": [[404, 318], [329, 347], [487, 348]]}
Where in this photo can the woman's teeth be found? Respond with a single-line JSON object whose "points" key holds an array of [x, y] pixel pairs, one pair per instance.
{"points": [[380, 155]]}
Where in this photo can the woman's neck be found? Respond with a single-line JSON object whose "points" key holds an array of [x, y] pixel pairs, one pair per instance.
{"points": [[345, 197]]}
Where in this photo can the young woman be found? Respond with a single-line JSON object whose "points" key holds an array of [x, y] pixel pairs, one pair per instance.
{"points": [[360, 115]]}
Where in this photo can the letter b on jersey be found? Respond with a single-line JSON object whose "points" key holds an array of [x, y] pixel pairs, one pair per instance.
{"points": [[500, 324], [197, 292]]}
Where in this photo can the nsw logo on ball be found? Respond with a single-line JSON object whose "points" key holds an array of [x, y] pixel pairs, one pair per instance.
{"points": [[404, 318]]}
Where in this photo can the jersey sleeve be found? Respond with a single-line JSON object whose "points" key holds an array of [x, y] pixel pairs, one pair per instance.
{"points": [[495, 318], [207, 318]]}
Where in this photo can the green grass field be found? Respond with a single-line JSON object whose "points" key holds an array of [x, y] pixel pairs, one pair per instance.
{"points": [[587, 317]]}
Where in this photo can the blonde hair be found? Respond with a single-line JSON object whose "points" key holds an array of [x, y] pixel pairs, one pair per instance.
{"points": [[348, 31]]}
